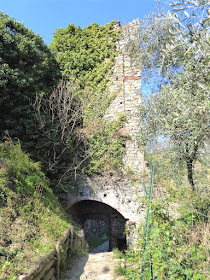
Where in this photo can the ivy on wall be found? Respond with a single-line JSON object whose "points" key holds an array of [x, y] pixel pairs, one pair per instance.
{"points": [[87, 57], [106, 146], [85, 54]]}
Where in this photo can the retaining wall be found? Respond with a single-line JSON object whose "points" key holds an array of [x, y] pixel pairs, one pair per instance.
{"points": [[48, 266]]}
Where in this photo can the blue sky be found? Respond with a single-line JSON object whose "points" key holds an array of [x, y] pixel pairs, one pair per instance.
{"points": [[44, 16]]}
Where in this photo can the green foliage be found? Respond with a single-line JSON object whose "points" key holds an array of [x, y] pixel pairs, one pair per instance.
{"points": [[106, 146], [118, 254], [120, 267], [169, 169], [171, 40], [31, 218], [27, 68], [172, 172], [120, 270], [177, 45], [177, 246], [86, 56]]}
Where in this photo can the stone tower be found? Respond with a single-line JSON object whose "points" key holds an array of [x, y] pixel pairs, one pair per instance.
{"points": [[112, 197], [126, 81]]}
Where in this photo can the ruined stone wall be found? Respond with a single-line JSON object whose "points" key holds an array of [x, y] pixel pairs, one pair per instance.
{"points": [[117, 191], [95, 228], [126, 81]]}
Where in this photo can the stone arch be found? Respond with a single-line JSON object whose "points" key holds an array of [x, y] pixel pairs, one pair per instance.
{"points": [[84, 210]]}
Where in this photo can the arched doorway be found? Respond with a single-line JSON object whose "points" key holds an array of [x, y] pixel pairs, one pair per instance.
{"points": [[85, 210]]}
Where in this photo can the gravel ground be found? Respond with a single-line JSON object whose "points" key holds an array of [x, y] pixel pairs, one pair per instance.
{"points": [[94, 266]]}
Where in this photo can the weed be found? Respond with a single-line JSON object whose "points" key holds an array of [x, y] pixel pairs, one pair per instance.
{"points": [[178, 241], [119, 269], [118, 254]]}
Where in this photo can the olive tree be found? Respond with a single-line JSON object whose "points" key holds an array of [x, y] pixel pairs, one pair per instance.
{"points": [[175, 51]]}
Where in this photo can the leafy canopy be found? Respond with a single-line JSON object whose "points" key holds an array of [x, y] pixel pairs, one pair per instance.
{"points": [[81, 51], [27, 68], [86, 57]]}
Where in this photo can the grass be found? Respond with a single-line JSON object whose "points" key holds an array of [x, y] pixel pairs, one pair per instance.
{"points": [[178, 242], [31, 218], [120, 269], [118, 254]]}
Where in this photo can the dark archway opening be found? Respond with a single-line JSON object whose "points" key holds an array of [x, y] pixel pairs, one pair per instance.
{"points": [[85, 210], [97, 235]]}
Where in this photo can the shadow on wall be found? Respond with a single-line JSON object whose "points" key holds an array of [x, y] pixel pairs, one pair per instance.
{"points": [[85, 210]]}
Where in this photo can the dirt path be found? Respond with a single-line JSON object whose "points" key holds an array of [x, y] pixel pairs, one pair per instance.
{"points": [[94, 266]]}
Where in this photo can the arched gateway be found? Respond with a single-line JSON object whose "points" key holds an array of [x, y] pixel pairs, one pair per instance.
{"points": [[115, 197], [111, 198], [85, 210]]}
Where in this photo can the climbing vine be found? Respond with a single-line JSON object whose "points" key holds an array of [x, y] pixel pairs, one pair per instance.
{"points": [[87, 57], [106, 146]]}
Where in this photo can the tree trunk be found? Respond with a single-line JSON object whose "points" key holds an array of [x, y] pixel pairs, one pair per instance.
{"points": [[190, 173]]}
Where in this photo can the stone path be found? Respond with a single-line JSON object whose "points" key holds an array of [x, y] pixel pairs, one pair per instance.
{"points": [[94, 266]]}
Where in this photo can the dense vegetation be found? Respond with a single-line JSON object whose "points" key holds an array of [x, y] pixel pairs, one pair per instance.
{"points": [[86, 58], [62, 128], [27, 69], [60, 137], [178, 234], [80, 52], [31, 218]]}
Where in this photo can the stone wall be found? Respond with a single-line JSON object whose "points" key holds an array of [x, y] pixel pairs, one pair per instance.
{"points": [[95, 228], [126, 81], [84, 210], [113, 189]]}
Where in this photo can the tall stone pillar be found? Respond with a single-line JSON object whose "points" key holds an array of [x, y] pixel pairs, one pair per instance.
{"points": [[126, 81]]}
